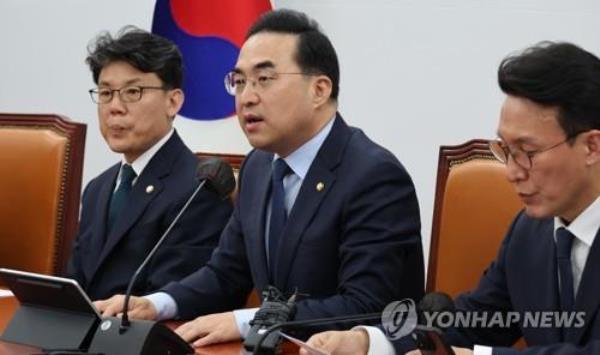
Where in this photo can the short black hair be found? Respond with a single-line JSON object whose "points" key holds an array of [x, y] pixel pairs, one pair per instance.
{"points": [[143, 50], [315, 53], [560, 75]]}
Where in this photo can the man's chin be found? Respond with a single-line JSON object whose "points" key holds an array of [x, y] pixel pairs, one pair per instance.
{"points": [[537, 212]]}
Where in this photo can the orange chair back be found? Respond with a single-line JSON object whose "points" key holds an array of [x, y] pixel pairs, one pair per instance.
{"points": [[474, 206], [42, 160]]}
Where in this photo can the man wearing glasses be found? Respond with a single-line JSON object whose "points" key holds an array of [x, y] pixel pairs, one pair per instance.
{"points": [[129, 206], [549, 139], [321, 208]]}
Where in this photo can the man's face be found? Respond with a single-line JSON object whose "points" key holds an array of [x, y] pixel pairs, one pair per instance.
{"points": [[131, 128], [278, 117], [559, 182]]}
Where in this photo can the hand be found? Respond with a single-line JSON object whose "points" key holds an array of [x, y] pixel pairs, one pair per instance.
{"points": [[139, 307], [210, 329], [340, 343]]}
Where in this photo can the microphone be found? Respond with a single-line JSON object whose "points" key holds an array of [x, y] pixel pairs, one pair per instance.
{"points": [[259, 349], [273, 310], [435, 302], [145, 337], [428, 338], [430, 303], [218, 175]]}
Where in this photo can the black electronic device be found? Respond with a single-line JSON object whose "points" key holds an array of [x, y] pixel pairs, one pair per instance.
{"points": [[54, 312], [275, 309]]}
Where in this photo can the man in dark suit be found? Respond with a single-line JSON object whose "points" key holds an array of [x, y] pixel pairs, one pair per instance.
{"points": [[128, 207], [321, 208], [549, 262]]}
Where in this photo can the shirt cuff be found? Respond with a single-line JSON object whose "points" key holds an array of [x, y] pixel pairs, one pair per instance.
{"points": [[165, 305], [378, 342], [482, 350], [243, 318]]}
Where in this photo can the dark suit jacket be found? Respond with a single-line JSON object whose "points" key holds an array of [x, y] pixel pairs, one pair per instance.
{"points": [[104, 269], [353, 247], [524, 278]]}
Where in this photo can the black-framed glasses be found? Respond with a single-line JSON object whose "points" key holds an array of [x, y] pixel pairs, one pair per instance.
{"points": [[523, 158], [131, 93], [235, 82]]}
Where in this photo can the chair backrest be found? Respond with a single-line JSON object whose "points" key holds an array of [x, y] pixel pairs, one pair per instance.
{"points": [[474, 206], [42, 160]]}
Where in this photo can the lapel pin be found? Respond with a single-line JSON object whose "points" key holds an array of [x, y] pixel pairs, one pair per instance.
{"points": [[149, 189], [320, 186]]}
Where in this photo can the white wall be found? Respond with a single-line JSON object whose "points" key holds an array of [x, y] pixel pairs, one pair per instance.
{"points": [[416, 74]]}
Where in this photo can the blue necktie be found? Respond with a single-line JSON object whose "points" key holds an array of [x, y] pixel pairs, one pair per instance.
{"points": [[564, 242], [121, 195], [278, 212]]}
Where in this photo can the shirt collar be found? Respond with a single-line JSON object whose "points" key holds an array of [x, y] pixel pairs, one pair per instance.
{"points": [[301, 159], [140, 163], [585, 226]]}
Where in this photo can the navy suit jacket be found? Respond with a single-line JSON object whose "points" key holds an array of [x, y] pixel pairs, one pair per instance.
{"points": [[104, 268], [524, 278], [352, 247]]}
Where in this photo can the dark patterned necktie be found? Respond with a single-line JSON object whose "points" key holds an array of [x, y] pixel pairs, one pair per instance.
{"points": [[564, 242], [120, 196], [278, 212]]}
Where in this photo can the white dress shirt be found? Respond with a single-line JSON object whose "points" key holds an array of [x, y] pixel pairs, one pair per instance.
{"points": [[142, 161]]}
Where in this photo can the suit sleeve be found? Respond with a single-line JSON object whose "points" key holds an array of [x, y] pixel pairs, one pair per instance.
{"points": [[491, 295], [380, 249], [192, 240]]}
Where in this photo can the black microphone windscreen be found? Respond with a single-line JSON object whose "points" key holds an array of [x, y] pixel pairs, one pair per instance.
{"points": [[218, 175], [436, 302]]}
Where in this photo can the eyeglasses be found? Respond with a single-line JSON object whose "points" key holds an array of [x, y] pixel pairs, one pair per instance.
{"points": [[523, 158], [131, 93], [235, 82]]}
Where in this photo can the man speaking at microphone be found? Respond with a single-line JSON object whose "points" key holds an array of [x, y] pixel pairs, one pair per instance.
{"points": [[128, 207], [321, 208]]}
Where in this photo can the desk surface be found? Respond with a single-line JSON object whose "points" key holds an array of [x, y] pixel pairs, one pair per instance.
{"points": [[8, 305]]}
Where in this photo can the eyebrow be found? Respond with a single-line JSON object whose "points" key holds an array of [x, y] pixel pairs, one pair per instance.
{"points": [[519, 141], [267, 64], [128, 82]]}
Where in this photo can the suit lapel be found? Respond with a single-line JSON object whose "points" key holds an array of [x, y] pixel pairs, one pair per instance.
{"points": [[588, 294], [157, 169], [138, 201], [98, 238], [542, 264], [256, 238], [549, 280], [309, 198]]}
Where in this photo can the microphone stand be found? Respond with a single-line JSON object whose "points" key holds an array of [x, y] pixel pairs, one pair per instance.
{"points": [[143, 337], [125, 319]]}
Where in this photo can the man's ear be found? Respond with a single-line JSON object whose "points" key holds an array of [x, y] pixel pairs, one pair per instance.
{"points": [[322, 88], [592, 146], [175, 98]]}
